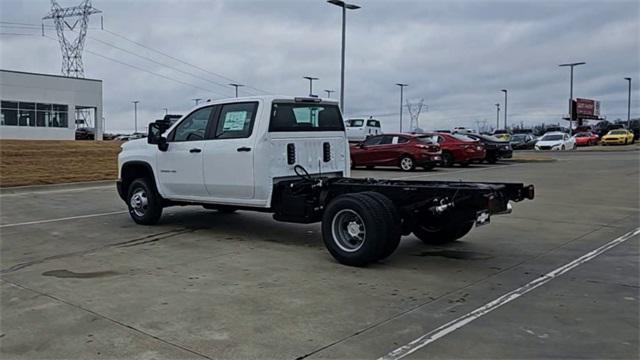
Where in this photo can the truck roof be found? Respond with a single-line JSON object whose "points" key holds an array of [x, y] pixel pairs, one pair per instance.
{"points": [[265, 98]]}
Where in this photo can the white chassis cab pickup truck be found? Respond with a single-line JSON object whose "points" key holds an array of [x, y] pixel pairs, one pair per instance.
{"points": [[289, 156]]}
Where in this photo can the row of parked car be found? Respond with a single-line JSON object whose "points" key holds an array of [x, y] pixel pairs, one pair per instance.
{"points": [[558, 140], [427, 150]]}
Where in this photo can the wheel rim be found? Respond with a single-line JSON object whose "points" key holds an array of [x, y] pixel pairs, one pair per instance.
{"points": [[406, 163], [348, 230], [139, 202]]}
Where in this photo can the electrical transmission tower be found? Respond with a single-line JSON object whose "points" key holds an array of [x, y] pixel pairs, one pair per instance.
{"points": [[414, 113], [71, 18]]}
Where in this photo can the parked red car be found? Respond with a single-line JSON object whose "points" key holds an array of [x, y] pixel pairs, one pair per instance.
{"points": [[403, 150], [458, 148], [586, 139]]}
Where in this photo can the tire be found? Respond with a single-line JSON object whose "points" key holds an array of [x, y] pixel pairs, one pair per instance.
{"points": [[492, 160], [447, 159], [356, 229], [626, 141], [444, 234], [395, 234], [407, 163], [428, 167], [369, 167], [143, 201], [464, 164], [562, 148]]}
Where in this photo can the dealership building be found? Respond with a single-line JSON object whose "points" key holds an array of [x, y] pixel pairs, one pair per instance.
{"points": [[48, 107]]}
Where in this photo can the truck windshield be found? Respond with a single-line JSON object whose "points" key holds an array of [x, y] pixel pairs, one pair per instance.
{"points": [[355, 123], [305, 117]]}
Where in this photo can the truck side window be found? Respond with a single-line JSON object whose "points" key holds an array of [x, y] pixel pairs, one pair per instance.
{"points": [[236, 120], [193, 127]]}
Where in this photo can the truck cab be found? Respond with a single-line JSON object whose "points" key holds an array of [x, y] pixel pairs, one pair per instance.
{"points": [[231, 152]]}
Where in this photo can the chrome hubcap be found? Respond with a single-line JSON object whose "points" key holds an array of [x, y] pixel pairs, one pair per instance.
{"points": [[139, 202], [348, 230]]}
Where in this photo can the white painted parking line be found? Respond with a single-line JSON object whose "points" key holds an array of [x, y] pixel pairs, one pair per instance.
{"points": [[36, 192], [463, 320], [62, 219]]}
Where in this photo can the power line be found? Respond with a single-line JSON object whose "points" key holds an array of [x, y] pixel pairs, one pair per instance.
{"points": [[162, 64], [35, 26], [178, 60], [142, 69]]}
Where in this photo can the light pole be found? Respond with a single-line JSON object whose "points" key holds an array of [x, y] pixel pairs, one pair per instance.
{"points": [[166, 111], [497, 116], [329, 93], [629, 105], [236, 86], [135, 115], [572, 65], [310, 78], [505, 108], [344, 7], [196, 100], [402, 86]]}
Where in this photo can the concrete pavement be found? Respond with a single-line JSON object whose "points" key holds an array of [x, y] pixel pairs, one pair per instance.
{"points": [[80, 280]]}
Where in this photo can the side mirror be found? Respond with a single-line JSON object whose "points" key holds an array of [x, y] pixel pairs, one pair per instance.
{"points": [[362, 145], [155, 136]]}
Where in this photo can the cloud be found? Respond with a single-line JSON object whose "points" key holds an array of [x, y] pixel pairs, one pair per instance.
{"points": [[457, 55]]}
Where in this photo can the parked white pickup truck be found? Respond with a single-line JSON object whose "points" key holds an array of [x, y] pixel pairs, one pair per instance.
{"points": [[290, 156], [360, 129]]}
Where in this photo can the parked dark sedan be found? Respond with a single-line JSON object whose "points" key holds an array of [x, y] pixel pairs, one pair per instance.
{"points": [[523, 141], [496, 148]]}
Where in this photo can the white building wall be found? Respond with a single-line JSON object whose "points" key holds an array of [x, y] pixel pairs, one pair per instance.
{"points": [[50, 89]]}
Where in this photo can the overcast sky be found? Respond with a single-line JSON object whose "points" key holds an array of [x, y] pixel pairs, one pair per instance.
{"points": [[456, 55]]}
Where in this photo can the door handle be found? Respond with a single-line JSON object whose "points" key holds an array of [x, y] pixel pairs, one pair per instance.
{"points": [[243, 149], [195, 150]]}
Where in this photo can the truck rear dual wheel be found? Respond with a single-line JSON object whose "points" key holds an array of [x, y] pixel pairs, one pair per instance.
{"points": [[143, 201], [361, 228], [438, 235]]}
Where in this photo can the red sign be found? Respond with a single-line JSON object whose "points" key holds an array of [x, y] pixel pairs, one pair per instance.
{"points": [[587, 108]]}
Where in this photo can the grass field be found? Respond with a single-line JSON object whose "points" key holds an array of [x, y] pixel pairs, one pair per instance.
{"points": [[34, 162]]}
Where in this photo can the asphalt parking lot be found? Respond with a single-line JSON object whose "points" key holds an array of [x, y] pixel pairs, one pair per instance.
{"points": [[80, 280]]}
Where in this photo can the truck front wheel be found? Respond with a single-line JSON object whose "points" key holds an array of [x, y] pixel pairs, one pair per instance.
{"points": [[437, 235], [357, 229], [144, 202]]}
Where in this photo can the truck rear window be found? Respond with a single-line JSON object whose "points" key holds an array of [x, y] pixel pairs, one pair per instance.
{"points": [[305, 117]]}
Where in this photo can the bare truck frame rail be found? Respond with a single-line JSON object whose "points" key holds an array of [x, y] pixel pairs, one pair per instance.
{"points": [[435, 211]]}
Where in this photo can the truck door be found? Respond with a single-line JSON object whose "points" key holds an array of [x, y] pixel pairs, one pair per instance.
{"points": [[228, 155], [180, 167]]}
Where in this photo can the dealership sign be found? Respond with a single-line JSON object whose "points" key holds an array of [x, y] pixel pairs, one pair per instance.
{"points": [[587, 108]]}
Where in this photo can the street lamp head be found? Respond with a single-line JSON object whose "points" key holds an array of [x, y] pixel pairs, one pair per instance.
{"points": [[628, 78], [401, 84], [343, 4], [573, 64], [310, 78], [504, 90]]}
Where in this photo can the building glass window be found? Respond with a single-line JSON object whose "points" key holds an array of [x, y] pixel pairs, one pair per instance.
{"points": [[18, 113], [9, 117]]}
